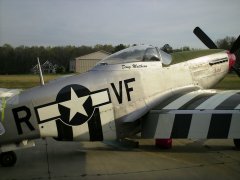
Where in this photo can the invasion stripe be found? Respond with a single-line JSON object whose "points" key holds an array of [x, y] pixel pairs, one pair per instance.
{"points": [[230, 103], [164, 126], [95, 127], [234, 127], [237, 107], [168, 101], [81, 132], [182, 100], [219, 126], [199, 126], [65, 132], [215, 100], [181, 125], [196, 101]]}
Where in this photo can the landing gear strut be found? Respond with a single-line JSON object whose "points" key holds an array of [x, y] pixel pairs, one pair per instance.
{"points": [[236, 143], [8, 159]]}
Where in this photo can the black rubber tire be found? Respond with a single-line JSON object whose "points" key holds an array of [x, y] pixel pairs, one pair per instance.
{"points": [[236, 143], [8, 159]]}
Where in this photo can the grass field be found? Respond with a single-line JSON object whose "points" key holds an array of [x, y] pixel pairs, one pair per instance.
{"points": [[186, 55], [231, 81], [23, 81]]}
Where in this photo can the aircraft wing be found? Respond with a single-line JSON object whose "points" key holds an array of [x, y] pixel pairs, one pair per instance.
{"points": [[209, 114]]}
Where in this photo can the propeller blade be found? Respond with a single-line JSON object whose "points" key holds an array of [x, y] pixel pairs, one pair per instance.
{"points": [[204, 38], [235, 46]]}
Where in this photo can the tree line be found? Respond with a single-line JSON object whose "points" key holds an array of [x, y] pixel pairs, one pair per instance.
{"points": [[225, 43], [20, 60]]}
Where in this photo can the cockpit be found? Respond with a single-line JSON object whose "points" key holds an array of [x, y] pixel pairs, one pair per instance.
{"points": [[141, 53]]}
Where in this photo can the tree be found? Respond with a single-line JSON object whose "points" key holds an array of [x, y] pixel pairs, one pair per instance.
{"points": [[119, 48], [60, 70], [185, 48], [21, 59], [105, 47], [225, 43]]}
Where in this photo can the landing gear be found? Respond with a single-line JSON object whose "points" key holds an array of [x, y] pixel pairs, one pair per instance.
{"points": [[236, 143], [8, 159], [163, 143]]}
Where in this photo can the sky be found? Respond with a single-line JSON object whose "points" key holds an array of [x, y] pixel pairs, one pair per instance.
{"points": [[91, 22]]}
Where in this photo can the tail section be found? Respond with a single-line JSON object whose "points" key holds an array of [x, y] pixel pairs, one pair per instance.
{"points": [[5, 95]]}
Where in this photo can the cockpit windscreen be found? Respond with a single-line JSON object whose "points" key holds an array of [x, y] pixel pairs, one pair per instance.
{"points": [[141, 53], [133, 54]]}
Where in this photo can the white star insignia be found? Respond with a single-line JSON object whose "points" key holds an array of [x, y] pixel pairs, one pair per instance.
{"points": [[75, 104]]}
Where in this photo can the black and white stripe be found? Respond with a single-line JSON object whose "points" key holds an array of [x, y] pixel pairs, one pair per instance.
{"points": [[202, 99], [92, 130], [200, 114], [193, 125]]}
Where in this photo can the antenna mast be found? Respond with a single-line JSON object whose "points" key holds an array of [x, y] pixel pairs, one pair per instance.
{"points": [[40, 73]]}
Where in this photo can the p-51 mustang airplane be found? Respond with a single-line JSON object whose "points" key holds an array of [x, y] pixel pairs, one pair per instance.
{"points": [[133, 91]]}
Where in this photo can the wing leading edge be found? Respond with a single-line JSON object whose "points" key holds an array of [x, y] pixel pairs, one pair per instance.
{"points": [[206, 114]]}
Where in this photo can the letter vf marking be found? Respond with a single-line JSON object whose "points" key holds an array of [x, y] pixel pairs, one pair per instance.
{"points": [[19, 120], [128, 90], [119, 93]]}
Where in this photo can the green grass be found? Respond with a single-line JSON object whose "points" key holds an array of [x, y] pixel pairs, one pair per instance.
{"points": [[186, 55], [23, 81], [231, 81]]}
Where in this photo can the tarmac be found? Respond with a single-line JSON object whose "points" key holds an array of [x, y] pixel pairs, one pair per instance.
{"points": [[211, 159]]}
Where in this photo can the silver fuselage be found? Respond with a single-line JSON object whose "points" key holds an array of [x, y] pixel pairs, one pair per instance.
{"points": [[132, 89]]}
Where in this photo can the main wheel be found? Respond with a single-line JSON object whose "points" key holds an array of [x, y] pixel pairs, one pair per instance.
{"points": [[236, 143], [8, 159]]}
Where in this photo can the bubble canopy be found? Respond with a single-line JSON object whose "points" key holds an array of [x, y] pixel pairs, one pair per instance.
{"points": [[141, 53]]}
